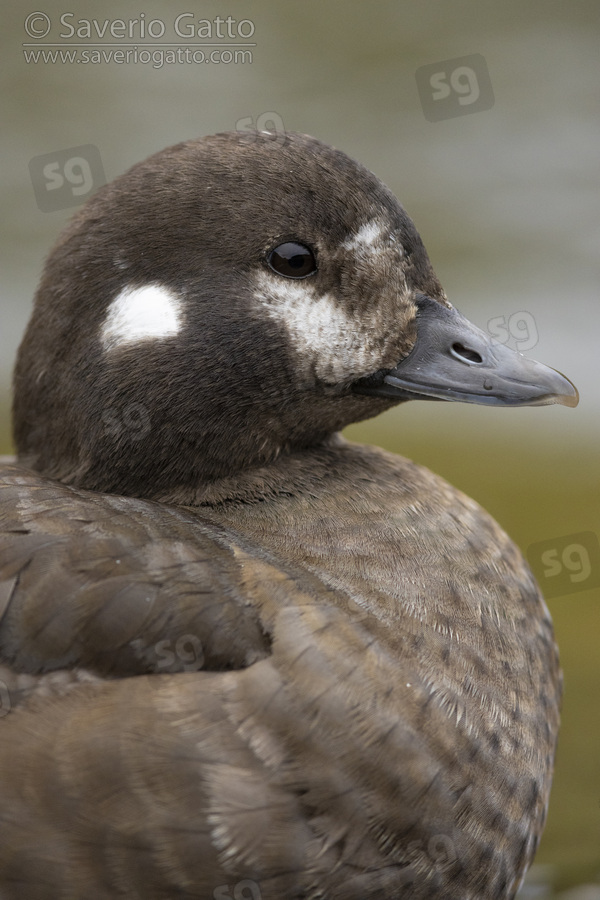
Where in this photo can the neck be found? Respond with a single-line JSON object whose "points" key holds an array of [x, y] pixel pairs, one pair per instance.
{"points": [[291, 474]]}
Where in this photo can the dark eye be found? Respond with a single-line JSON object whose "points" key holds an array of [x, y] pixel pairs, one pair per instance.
{"points": [[292, 260]]}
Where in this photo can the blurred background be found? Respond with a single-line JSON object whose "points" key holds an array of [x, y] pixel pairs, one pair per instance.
{"points": [[483, 118]]}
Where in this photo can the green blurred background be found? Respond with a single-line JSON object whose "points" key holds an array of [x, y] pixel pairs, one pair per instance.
{"points": [[506, 199]]}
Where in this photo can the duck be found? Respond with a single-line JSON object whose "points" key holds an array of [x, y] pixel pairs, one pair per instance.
{"points": [[241, 656]]}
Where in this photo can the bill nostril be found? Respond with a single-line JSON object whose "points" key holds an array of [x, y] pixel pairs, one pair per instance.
{"points": [[465, 354]]}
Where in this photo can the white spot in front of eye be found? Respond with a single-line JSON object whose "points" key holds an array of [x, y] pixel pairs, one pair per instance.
{"points": [[138, 314]]}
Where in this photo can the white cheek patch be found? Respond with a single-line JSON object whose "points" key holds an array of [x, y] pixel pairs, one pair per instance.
{"points": [[327, 342], [139, 314]]}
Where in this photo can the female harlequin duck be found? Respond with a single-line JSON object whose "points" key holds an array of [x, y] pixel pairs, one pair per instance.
{"points": [[241, 657]]}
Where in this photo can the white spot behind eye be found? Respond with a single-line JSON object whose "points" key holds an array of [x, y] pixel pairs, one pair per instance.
{"points": [[141, 313]]}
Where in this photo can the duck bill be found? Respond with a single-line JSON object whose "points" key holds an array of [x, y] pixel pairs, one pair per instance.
{"points": [[452, 359]]}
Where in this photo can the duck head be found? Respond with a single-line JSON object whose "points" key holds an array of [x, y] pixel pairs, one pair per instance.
{"points": [[233, 298]]}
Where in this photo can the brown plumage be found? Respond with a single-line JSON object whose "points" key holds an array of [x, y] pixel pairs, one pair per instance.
{"points": [[241, 657]]}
